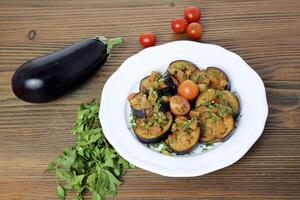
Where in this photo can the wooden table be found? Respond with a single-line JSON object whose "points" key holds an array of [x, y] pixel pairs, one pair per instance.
{"points": [[265, 33]]}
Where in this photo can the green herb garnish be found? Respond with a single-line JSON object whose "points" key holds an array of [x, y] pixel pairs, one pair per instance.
{"points": [[186, 124], [92, 163], [162, 147], [207, 147], [224, 111], [201, 77], [208, 104], [132, 123], [158, 103]]}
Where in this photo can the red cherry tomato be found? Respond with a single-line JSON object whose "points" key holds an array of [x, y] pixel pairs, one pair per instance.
{"points": [[147, 39], [179, 25], [194, 31], [192, 14]]}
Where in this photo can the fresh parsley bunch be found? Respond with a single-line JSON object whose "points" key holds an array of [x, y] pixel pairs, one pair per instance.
{"points": [[92, 163]]}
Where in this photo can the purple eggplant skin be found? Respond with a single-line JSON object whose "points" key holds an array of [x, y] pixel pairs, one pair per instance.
{"points": [[48, 77]]}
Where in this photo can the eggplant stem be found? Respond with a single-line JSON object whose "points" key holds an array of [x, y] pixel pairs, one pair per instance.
{"points": [[111, 43], [114, 42]]}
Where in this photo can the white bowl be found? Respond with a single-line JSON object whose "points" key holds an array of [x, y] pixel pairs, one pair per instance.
{"points": [[115, 110]]}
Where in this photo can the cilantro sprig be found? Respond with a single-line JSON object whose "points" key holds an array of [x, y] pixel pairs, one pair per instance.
{"points": [[91, 163]]}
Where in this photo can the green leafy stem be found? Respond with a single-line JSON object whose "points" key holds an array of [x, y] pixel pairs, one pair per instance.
{"points": [[91, 163]]}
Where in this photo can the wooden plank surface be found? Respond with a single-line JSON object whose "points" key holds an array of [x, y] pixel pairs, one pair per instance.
{"points": [[264, 32]]}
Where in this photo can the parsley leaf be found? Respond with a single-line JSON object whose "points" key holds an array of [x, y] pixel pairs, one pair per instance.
{"points": [[91, 163], [60, 192]]}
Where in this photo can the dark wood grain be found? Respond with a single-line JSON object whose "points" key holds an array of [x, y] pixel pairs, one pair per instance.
{"points": [[264, 32]]}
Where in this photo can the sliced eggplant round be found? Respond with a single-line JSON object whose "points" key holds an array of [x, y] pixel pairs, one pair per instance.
{"points": [[181, 70], [213, 127], [212, 77], [164, 85], [170, 88], [223, 97], [233, 101], [185, 135], [140, 105], [216, 72], [221, 82], [153, 129], [199, 113], [151, 82], [205, 97], [217, 129], [199, 76]]}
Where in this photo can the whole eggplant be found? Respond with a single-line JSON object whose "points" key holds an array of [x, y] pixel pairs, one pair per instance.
{"points": [[48, 77]]}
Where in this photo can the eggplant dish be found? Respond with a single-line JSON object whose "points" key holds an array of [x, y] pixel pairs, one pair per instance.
{"points": [[181, 70], [162, 111], [185, 135], [211, 77]]}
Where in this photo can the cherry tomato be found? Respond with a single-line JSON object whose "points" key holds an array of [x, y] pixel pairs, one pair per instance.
{"points": [[192, 14], [147, 39], [188, 89], [179, 25], [194, 31], [179, 105]]}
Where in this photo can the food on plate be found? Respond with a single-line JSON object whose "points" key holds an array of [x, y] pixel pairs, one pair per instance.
{"points": [[170, 88], [185, 106], [48, 77], [216, 121], [211, 77], [185, 135], [142, 103], [194, 31], [181, 70], [179, 25], [147, 39], [154, 128], [188, 89], [216, 97], [192, 14], [163, 103], [232, 100], [164, 85], [179, 105], [151, 81], [216, 129]]}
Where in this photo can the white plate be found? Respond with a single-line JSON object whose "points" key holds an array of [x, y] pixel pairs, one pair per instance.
{"points": [[114, 108]]}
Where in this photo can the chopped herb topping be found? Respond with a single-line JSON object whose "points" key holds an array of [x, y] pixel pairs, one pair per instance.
{"points": [[132, 123], [162, 147], [186, 124]]}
